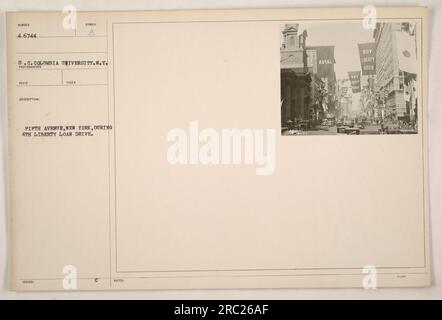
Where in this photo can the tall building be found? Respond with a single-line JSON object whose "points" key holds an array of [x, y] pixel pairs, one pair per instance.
{"points": [[344, 95], [295, 79], [395, 46]]}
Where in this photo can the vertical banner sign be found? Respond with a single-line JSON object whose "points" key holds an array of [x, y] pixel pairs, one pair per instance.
{"points": [[368, 58], [355, 79], [325, 57]]}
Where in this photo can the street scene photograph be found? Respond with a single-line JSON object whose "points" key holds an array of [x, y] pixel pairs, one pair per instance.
{"points": [[344, 78]]}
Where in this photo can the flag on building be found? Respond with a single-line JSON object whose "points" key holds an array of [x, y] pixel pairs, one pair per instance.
{"points": [[406, 50]]}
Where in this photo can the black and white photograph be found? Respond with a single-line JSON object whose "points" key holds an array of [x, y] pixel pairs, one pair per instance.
{"points": [[148, 154], [344, 78]]}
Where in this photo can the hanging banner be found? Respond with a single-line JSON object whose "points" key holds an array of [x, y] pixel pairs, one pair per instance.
{"points": [[325, 64], [368, 58], [355, 79]]}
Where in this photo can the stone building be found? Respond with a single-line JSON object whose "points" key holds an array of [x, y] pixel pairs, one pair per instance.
{"points": [[395, 46], [295, 78]]}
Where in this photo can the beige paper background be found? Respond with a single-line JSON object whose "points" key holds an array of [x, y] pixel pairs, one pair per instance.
{"points": [[305, 216], [332, 202]]}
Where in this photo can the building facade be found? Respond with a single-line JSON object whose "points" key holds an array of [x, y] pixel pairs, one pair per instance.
{"points": [[344, 105], [391, 71], [308, 79], [295, 78]]}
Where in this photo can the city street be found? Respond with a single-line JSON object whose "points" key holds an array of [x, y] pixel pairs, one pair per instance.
{"points": [[333, 130], [363, 85], [324, 130]]}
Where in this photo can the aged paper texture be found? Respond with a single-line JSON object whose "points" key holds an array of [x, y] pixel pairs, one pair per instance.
{"points": [[273, 148]]}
